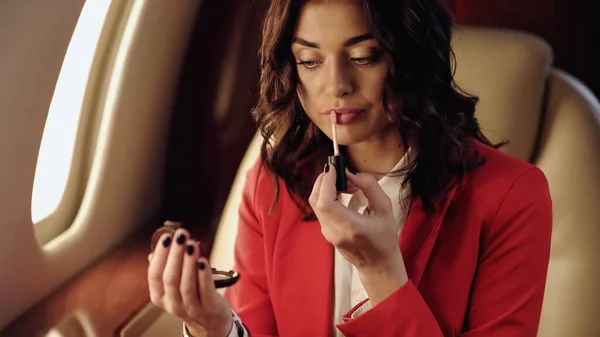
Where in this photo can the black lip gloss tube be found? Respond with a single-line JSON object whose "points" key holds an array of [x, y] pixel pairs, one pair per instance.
{"points": [[340, 172]]}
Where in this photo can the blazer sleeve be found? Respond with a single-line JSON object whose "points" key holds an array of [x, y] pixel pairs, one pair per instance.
{"points": [[249, 297], [509, 285]]}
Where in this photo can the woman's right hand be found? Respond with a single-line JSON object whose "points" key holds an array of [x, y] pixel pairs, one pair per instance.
{"points": [[181, 283]]}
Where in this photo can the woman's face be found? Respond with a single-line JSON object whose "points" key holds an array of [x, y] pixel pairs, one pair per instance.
{"points": [[340, 66]]}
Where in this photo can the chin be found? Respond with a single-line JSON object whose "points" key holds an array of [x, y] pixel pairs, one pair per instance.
{"points": [[351, 137], [358, 133]]}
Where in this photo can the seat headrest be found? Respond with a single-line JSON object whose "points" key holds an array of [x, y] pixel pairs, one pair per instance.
{"points": [[507, 70]]}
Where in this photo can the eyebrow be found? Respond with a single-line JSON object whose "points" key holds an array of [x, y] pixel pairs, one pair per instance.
{"points": [[350, 42]]}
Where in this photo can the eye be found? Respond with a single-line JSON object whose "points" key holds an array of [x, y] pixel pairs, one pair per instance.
{"points": [[363, 61], [310, 65]]}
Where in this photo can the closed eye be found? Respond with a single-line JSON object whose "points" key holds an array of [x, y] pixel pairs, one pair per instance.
{"points": [[310, 65], [363, 61]]}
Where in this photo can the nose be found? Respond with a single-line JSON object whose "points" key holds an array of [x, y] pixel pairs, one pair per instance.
{"points": [[339, 82]]}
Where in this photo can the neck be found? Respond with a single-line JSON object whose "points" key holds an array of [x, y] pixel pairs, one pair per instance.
{"points": [[377, 155]]}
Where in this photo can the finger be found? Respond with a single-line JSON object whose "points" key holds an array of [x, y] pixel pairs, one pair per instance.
{"points": [[314, 195], [328, 194], [328, 187], [172, 274], [350, 188], [206, 283], [189, 279], [156, 269], [378, 200]]}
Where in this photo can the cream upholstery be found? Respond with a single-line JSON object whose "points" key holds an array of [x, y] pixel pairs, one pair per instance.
{"points": [[569, 154], [507, 70], [551, 120]]}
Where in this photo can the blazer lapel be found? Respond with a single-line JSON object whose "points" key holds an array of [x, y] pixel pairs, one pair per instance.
{"points": [[419, 235]]}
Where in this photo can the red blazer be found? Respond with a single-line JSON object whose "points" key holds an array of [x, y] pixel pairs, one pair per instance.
{"points": [[477, 268]]}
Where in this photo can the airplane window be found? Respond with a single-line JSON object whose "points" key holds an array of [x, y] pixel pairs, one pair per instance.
{"points": [[58, 141]]}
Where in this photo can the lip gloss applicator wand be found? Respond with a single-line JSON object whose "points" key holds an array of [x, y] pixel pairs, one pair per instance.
{"points": [[337, 160]]}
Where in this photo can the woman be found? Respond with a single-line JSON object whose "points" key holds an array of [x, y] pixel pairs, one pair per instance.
{"points": [[439, 233]]}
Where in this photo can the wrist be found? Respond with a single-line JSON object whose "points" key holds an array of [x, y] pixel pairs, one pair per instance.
{"points": [[383, 280], [192, 330], [195, 330], [224, 329]]}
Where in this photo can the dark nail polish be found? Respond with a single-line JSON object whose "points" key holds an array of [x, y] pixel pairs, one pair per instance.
{"points": [[201, 265], [189, 249], [181, 239], [353, 170], [326, 168], [167, 241]]}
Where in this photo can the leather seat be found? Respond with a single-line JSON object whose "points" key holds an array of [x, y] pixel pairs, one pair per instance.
{"points": [[552, 120]]}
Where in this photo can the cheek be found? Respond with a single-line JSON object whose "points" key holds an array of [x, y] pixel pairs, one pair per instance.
{"points": [[308, 95], [373, 86]]}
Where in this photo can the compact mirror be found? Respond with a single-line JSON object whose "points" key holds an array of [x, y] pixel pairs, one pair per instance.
{"points": [[221, 278]]}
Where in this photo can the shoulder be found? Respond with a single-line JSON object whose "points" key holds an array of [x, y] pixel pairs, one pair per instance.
{"points": [[504, 183], [269, 200], [501, 171], [260, 181], [268, 191], [510, 199]]}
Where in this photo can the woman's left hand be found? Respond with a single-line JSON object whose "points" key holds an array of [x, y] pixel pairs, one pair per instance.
{"points": [[370, 240]]}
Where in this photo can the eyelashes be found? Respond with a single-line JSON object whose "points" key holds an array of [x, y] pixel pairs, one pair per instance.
{"points": [[309, 65], [364, 61], [358, 61]]}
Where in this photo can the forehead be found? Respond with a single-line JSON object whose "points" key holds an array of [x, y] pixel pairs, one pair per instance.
{"points": [[331, 21]]}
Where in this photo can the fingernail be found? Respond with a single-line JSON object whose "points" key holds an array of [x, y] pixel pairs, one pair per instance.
{"points": [[189, 249], [326, 168], [353, 170], [181, 239], [167, 241], [201, 265]]}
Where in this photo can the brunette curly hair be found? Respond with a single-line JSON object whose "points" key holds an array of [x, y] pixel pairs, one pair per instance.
{"points": [[437, 119]]}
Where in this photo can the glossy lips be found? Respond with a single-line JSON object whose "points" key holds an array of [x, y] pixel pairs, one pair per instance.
{"points": [[344, 115]]}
